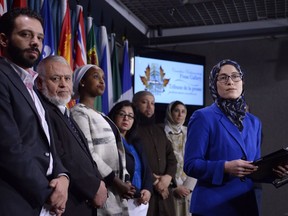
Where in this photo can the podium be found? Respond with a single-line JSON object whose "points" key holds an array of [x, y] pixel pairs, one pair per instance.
{"points": [[265, 168]]}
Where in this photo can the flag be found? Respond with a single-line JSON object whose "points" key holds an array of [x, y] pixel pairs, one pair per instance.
{"points": [[105, 64], [48, 44], [19, 4], [64, 48], [3, 7], [80, 40], [92, 55], [57, 19], [116, 80], [127, 89], [35, 5]]}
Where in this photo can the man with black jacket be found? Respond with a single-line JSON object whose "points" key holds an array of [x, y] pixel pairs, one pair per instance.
{"points": [[87, 191], [33, 180]]}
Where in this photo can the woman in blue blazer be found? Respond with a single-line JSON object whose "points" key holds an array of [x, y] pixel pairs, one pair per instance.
{"points": [[222, 141]]}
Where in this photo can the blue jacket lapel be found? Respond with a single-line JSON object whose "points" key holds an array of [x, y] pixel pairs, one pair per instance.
{"points": [[230, 128]]}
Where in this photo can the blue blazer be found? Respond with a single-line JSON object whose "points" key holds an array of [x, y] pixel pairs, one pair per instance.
{"points": [[146, 171], [213, 139], [24, 149]]}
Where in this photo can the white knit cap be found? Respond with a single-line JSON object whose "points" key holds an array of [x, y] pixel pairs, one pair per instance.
{"points": [[78, 75]]}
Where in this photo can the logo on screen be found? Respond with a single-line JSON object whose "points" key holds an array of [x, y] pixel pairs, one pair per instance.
{"points": [[154, 79]]}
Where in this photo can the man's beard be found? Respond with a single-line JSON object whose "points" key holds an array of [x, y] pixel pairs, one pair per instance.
{"points": [[17, 56], [54, 99]]}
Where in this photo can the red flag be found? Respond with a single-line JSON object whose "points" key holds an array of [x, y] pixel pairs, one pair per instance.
{"points": [[3, 7], [19, 4], [64, 48], [80, 40]]}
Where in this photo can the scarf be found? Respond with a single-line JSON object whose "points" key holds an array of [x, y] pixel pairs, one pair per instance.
{"points": [[235, 110], [169, 122]]}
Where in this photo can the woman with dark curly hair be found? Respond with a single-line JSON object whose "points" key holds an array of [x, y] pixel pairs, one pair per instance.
{"points": [[123, 115]]}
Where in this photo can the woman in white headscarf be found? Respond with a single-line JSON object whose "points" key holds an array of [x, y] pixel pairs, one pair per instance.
{"points": [[176, 132], [103, 138]]}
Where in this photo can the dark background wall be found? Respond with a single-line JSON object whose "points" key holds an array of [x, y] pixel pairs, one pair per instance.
{"points": [[264, 62]]}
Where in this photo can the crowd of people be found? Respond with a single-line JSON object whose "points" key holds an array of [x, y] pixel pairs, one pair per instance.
{"points": [[79, 161]]}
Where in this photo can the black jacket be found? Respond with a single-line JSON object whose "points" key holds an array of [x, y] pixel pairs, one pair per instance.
{"points": [[76, 157], [25, 150]]}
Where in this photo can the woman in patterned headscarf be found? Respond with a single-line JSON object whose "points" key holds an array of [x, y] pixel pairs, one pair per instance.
{"points": [[222, 141], [176, 132]]}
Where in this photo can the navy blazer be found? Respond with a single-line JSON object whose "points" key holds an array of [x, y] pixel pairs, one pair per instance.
{"points": [[213, 139], [146, 174], [25, 150], [76, 157]]}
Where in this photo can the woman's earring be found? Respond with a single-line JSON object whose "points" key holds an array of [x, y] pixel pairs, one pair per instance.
{"points": [[82, 85]]}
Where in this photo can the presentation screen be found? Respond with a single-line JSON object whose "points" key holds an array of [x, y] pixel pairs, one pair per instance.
{"points": [[170, 80], [170, 76]]}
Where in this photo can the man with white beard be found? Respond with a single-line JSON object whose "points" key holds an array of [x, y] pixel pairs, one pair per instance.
{"points": [[87, 191]]}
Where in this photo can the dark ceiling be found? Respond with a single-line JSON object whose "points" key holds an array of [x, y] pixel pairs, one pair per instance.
{"points": [[160, 22]]}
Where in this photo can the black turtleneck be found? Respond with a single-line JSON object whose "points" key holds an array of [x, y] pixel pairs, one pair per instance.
{"points": [[144, 120]]}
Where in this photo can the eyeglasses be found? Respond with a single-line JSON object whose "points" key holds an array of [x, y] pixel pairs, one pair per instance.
{"points": [[123, 115], [223, 78]]}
